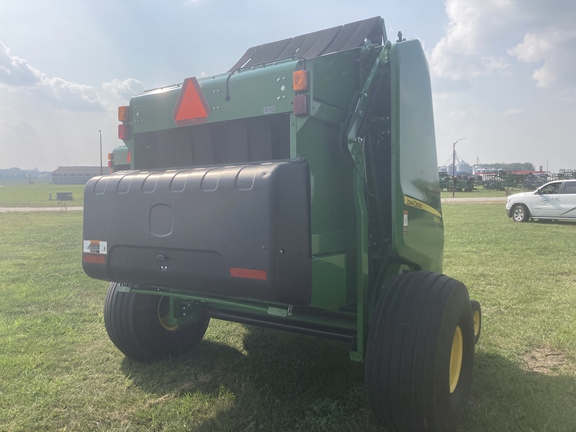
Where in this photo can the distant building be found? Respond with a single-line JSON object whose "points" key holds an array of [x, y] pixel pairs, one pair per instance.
{"points": [[76, 174]]}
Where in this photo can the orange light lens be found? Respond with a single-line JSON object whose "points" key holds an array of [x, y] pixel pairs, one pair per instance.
{"points": [[110, 156], [123, 112], [300, 80]]}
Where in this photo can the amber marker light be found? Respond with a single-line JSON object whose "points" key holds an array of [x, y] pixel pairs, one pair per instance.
{"points": [[123, 113], [300, 80]]}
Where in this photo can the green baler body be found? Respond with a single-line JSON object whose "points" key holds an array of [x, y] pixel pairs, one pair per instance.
{"points": [[369, 140]]}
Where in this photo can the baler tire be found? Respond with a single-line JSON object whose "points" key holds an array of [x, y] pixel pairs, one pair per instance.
{"points": [[477, 316], [420, 353], [135, 327]]}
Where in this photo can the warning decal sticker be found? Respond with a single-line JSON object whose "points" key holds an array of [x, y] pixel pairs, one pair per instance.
{"points": [[95, 246]]}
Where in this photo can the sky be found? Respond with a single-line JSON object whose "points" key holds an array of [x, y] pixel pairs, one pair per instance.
{"points": [[503, 71]]}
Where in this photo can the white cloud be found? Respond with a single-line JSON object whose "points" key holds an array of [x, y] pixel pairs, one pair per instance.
{"points": [[483, 37], [123, 90], [553, 46], [512, 112], [459, 54], [17, 127], [18, 74]]}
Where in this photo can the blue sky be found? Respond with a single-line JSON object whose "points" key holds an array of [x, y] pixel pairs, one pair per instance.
{"points": [[503, 71]]}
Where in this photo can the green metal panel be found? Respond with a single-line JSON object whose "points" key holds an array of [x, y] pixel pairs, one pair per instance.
{"points": [[255, 92], [419, 234], [331, 187], [330, 282], [342, 320], [152, 111], [334, 72]]}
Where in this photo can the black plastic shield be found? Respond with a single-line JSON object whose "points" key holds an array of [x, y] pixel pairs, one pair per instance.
{"points": [[241, 230]]}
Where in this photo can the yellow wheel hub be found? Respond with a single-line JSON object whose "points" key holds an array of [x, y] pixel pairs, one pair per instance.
{"points": [[456, 358], [164, 314], [476, 323]]}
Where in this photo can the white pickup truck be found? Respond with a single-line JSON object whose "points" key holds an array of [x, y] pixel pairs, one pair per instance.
{"points": [[553, 201]]}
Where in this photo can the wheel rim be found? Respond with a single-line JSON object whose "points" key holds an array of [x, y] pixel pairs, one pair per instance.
{"points": [[164, 314], [476, 323], [518, 213], [456, 358]]}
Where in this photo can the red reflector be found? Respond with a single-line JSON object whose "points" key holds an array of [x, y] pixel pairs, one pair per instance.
{"points": [[192, 107], [129, 157], [300, 105], [95, 259], [248, 273], [110, 164], [124, 131]]}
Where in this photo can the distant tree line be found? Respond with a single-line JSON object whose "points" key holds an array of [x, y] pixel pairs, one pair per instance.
{"points": [[516, 166], [17, 173]]}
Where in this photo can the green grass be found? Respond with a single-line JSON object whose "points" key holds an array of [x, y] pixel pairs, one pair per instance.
{"points": [[481, 193], [59, 371], [37, 195]]}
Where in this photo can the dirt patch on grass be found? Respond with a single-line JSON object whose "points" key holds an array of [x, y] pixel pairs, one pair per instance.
{"points": [[545, 360]]}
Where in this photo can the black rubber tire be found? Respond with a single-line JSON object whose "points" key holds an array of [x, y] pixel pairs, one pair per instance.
{"points": [[520, 213], [408, 356], [133, 325], [477, 317]]}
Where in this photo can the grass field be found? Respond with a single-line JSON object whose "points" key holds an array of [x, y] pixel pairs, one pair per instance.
{"points": [[481, 193], [59, 371], [37, 195]]}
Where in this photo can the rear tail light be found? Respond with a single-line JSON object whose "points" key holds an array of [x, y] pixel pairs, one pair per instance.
{"points": [[124, 131], [300, 106]]}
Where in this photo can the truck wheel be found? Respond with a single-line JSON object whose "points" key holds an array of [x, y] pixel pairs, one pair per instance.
{"points": [[520, 213], [477, 315], [420, 353], [137, 325]]}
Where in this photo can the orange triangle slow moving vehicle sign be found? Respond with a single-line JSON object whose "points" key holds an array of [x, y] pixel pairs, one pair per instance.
{"points": [[192, 107]]}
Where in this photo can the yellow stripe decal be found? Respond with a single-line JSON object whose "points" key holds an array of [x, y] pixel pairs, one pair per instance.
{"points": [[412, 202]]}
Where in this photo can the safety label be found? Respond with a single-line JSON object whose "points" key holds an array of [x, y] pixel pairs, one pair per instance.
{"points": [[95, 246], [405, 223]]}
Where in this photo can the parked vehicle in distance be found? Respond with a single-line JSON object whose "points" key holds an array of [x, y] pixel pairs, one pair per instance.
{"points": [[555, 200]]}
